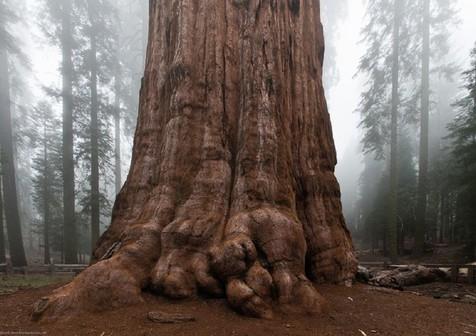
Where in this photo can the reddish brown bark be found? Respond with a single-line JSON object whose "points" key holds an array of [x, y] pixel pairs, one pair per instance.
{"points": [[232, 189]]}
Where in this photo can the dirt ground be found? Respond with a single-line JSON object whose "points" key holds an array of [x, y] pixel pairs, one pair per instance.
{"points": [[360, 310]]}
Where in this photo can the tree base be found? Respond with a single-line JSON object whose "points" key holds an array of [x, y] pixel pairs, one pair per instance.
{"points": [[231, 190], [256, 265]]}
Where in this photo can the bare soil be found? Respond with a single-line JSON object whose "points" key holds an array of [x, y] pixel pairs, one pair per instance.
{"points": [[360, 310]]}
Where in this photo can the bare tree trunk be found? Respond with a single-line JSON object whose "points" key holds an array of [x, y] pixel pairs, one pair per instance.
{"points": [[2, 230], [12, 211], [424, 127], [70, 239], [117, 134], [94, 179], [46, 199], [392, 243], [232, 189]]}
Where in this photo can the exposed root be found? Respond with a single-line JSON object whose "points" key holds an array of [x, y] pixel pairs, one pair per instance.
{"points": [[255, 266], [102, 286], [261, 265]]}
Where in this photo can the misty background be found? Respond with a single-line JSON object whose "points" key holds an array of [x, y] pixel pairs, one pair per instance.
{"points": [[119, 29]]}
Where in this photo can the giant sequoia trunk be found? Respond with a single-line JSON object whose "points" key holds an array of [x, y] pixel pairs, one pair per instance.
{"points": [[232, 189]]}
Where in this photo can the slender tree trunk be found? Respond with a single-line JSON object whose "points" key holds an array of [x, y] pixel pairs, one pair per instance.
{"points": [[393, 201], [117, 133], [2, 230], [441, 217], [144, 8], [12, 211], [69, 225], [232, 189], [95, 210], [473, 227], [424, 134], [46, 198]]}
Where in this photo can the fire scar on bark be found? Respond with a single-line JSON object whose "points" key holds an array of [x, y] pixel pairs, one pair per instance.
{"points": [[232, 190]]}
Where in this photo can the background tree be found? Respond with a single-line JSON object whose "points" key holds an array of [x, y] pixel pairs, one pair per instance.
{"points": [[463, 136], [60, 24], [425, 30], [8, 47], [333, 15], [2, 230], [132, 34], [98, 70], [47, 181], [386, 66], [437, 17]]}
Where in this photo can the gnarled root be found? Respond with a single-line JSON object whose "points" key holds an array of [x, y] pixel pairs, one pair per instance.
{"points": [[263, 260], [115, 281], [100, 287]]}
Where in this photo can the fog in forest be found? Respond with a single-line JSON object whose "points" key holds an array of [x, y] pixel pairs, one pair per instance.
{"points": [[95, 51]]}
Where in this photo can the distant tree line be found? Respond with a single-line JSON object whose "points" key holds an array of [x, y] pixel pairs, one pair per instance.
{"points": [[65, 149], [417, 187]]}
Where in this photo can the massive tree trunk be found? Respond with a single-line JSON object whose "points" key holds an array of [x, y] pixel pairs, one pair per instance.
{"points": [[67, 71], [391, 231], [12, 211], [232, 189]]}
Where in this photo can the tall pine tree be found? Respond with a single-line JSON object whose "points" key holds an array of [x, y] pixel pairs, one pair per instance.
{"points": [[47, 180], [9, 47], [463, 136], [436, 16], [60, 23], [385, 66]]}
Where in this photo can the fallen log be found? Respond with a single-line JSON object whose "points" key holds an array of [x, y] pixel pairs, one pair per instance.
{"points": [[406, 276]]}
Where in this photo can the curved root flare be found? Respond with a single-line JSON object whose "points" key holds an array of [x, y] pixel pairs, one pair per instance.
{"points": [[248, 274]]}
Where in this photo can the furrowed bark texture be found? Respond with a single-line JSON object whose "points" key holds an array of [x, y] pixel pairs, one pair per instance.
{"points": [[231, 189]]}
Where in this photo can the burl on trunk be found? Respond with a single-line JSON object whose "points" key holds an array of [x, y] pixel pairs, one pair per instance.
{"points": [[232, 190]]}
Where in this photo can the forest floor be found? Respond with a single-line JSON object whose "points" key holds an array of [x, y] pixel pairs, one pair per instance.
{"points": [[360, 310]]}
